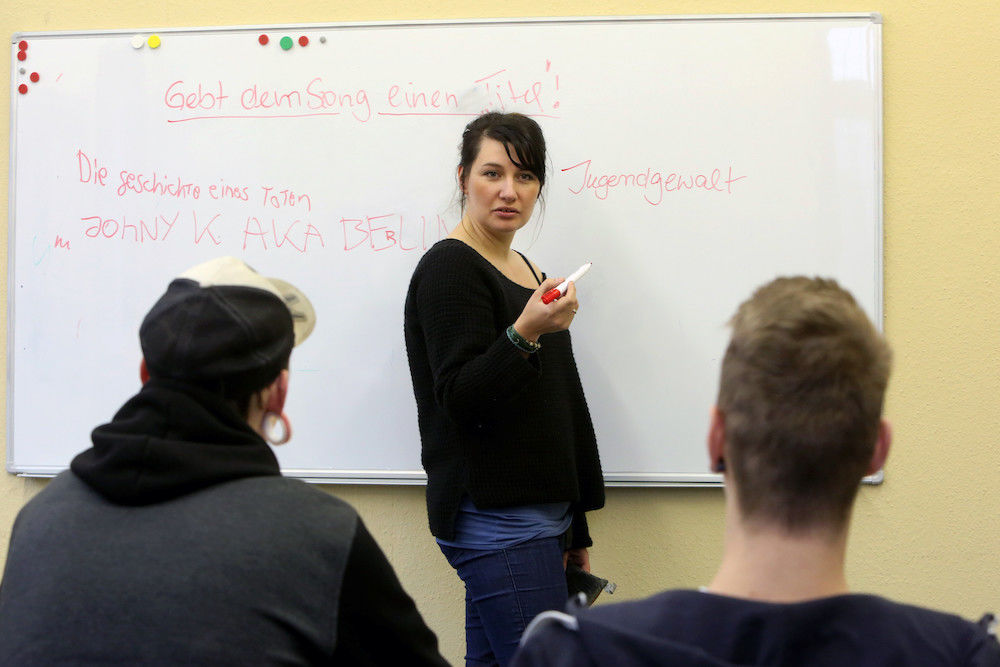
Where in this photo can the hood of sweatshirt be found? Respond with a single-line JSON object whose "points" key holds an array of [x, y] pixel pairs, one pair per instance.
{"points": [[169, 440]]}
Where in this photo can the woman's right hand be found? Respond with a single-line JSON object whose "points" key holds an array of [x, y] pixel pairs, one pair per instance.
{"points": [[539, 318]]}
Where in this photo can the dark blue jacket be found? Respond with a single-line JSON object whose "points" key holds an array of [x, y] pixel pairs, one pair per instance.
{"points": [[688, 628]]}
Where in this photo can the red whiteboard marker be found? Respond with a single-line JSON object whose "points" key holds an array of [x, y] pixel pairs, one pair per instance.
{"points": [[557, 292]]}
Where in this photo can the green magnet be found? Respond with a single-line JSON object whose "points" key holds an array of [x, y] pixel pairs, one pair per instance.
{"points": [[286, 43]]}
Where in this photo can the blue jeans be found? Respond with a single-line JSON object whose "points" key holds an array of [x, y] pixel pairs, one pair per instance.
{"points": [[504, 590]]}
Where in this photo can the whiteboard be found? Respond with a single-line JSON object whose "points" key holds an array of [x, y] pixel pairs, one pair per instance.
{"points": [[691, 159]]}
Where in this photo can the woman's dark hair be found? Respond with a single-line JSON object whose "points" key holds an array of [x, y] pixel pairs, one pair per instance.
{"points": [[521, 137]]}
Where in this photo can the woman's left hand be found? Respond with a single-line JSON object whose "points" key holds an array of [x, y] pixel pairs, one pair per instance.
{"points": [[580, 558], [539, 318]]}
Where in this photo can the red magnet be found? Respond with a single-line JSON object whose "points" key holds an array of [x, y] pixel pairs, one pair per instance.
{"points": [[21, 55], [23, 88], [22, 45], [263, 39], [303, 41], [34, 77]]}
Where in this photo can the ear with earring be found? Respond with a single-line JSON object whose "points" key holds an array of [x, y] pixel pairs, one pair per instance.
{"points": [[268, 426], [274, 414], [720, 466]]}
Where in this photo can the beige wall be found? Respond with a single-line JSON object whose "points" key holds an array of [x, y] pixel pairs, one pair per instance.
{"points": [[931, 533]]}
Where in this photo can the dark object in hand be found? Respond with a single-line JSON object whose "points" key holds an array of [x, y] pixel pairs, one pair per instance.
{"points": [[580, 581]]}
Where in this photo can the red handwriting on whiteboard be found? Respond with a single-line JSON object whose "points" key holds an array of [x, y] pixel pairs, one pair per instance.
{"points": [[536, 93], [224, 190], [91, 171], [205, 97], [653, 185], [291, 232], [322, 97], [156, 184], [381, 232], [316, 98], [411, 98], [138, 231], [504, 88], [207, 229], [275, 198]]}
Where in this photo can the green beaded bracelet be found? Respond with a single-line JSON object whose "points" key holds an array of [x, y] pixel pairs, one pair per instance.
{"points": [[522, 343]]}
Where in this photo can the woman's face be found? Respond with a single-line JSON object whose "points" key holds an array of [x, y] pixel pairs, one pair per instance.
{"points": [[499, 195]]}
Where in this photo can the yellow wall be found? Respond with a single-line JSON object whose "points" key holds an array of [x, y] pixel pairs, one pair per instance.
{"points": [[929, 535]]}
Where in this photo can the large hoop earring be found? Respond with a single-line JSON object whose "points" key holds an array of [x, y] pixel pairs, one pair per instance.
{"points": [[267, 426]]}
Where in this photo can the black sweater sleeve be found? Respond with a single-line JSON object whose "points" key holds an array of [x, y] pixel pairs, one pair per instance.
{"points": [[378, 623], [580, 531]]}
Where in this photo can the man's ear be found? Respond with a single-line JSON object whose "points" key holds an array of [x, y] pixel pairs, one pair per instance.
{"points": [[278, 391], [882, 445], [143, 371], [717, 440]]}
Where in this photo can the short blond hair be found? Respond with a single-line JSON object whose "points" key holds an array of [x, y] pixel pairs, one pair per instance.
{"points": [[801, 390]]}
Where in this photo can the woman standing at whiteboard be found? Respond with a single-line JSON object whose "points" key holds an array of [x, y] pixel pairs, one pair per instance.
{"points": [[507, 440]]}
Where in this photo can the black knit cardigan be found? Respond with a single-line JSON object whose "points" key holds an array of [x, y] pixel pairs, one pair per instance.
{"points": [[504, 429]]}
